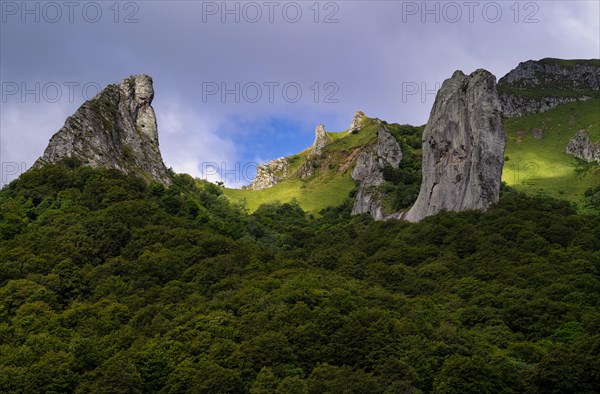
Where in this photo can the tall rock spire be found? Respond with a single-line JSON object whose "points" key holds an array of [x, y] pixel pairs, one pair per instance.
{"points": [[116, 129], [463, 147], [321, 139], [356, 122]]}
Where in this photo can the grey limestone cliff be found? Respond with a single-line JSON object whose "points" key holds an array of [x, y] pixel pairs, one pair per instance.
{"points": [[116, 129], [538, 86], [463, 147], [369, 172]]}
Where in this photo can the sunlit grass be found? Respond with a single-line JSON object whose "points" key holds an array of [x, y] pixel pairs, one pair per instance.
{"points": [[534, 166], [312, 196], [540, 166], [324, 189]]}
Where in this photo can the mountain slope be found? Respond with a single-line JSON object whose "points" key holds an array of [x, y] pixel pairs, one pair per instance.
{"points": [[318, 181], [537, 86], [540, 165], [545, 104]]}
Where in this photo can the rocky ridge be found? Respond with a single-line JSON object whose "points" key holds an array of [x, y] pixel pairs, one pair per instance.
{"points": [[538, 86], [355, 125], [269, 174], [116, 129]]}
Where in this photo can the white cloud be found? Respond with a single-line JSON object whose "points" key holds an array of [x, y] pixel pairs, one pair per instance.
{"points": [[581, 25], [368, 54], [25, 129], [192, 144]]}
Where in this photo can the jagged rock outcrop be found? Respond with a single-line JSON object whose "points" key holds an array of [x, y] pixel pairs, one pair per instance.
{"points": [[369, 171], [269, 174], [582, 147], [308, 168], [321, 139], [273, 172], [463, 147], [517, 106], [538, 86], [116, 129], [356, 123]]}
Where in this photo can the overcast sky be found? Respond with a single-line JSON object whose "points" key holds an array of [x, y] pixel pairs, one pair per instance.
{"points": [[383, 57]]}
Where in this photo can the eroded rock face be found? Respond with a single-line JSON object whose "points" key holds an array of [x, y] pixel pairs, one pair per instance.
{"points": [[321, 139], [355, 125], [116, 129], [582, 147], [463, 147], [269, 174], [550, 75], [369, 171], [308, 168]]}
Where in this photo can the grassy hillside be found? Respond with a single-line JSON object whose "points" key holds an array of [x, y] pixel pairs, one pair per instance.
{"points": [[534, 166], [331, 182], [329, 186], [540, 166], [313, 195]]}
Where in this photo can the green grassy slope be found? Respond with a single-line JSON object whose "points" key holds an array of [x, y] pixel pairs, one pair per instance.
{"points": [[326, 187], [534, 166], [313, 195], [540, 166], [332, 183]]}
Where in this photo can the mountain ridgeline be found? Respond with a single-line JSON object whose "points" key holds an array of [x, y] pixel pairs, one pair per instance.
{"points": [[462, 151], [119, 276], [390, 171], [538, 86]]}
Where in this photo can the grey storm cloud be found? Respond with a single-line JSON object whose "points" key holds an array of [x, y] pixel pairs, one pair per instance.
{"points": [[383, 57]]}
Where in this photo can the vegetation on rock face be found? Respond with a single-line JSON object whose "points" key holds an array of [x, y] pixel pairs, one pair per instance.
{"points": [[402, 185], [108, 284], [115, 129]]}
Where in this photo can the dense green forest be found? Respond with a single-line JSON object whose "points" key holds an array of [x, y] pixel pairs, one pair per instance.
{"points": [[110, 285]]}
